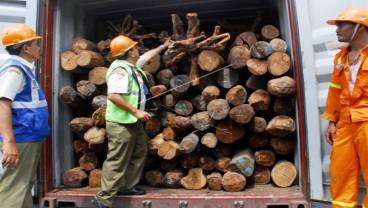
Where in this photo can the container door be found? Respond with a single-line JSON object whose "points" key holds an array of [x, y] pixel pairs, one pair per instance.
{"points": [[319, 44]]}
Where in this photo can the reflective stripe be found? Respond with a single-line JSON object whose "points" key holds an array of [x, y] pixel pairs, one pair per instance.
{"points": [[344, 204], [37, 104], [335, 85]]}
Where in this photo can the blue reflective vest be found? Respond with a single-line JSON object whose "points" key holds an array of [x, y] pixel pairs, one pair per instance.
{"points": [[29, 108]]}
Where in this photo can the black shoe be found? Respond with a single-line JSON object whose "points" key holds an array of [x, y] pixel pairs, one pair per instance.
{"points": [[97, 204], [134, 191]]}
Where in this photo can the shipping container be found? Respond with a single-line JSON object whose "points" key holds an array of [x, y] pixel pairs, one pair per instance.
{"points": [[311, 45]]}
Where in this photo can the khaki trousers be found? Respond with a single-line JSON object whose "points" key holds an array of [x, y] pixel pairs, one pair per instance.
{"points": [[123, 166], [16, 184]]}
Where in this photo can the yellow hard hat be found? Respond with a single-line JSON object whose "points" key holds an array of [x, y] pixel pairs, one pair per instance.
{"points": [[18, 33], [120, 45], [353, 14]]}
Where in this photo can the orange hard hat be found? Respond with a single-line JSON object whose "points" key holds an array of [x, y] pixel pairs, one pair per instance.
{"points": [[353, 14], [18, 33], [120, 45]]}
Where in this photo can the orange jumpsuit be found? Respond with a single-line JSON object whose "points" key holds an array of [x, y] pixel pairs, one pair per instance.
{"points": [[350, 147]]}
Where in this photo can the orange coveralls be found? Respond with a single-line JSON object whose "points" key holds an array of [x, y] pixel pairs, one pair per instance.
{"points": [[350, 147]]}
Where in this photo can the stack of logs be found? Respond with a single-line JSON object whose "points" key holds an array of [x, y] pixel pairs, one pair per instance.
{"points": [[226, 110]]}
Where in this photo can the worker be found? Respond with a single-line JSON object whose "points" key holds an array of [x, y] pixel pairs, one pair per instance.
{"points": [[24, 117], [128, 91], [347, 108]]}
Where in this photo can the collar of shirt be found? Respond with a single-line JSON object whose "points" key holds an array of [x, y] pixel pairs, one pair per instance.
{"points": [[23, 61]]}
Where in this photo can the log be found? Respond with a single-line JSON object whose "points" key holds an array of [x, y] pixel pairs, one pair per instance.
{"points": [[278, 45], [194, 71], [87, 88], [260, 100], [209, 140], [88, 161], [81, 124], [243, 162], [210, 93], [71, 97], [168, 100], [80, 146], [179, 85], [207, 163], [282, 87], [94, 178], [199, 102], [152, 126], [202, 121], [180, 123], [195, 179], [99, 101], [153, 65], [189, 143], [89, 59], [184, 108], [238, 57], [206, 80], [210, 60], [283, 173], [168, 150], [283, 105], [169, 165], [68, 62], [218, 109], [269, 32], [232, 181], [193, 25], [255, 82], [98, 117], [236, 95], [166, 117], [172, 179], [280, 126], [278, 63], [95, 135], [104, 46], [178, 30], [261, 49], [202, 151], [265, 157], [257, 125], [223, 164], [222, 150], [242, 114], [261, 175], [98, 75], [169, 133], [164, 76], [79, 44], [257, 141], [282, 145], [245, 38], [158, 90], [188, 161], [74, 177], [154, 143], [214, 181], [227, 78], [229, 132], [257, 66], [154, 178]]}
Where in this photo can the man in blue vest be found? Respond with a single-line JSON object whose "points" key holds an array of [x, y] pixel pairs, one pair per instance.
{"points": [[127, 94], [24, 117]]}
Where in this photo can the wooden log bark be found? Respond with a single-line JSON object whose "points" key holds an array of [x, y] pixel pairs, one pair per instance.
{"points": [[210, 60], [81, 124], [169, 165], [168, 150], [283, 173], [189, 161], [88, 161], [202, 121], [80, 146], [236, 95], [168, 100], [218, 109], [98, 75], [281, 126], [282, 87], [98, 117], [269, 32], [255, 82], [95, 135], [169, 133], [178, 30], [246, 38], [153, 65], [89, 59], [164, 76], [243, 162], [257, 125], [282, 145], [179, 85], [79, 44], [242, 114], [154, 143], [74, 177], [260, 176], [210, 93], [184, 108], [194, 71], [180, 123], [71, 97], [257, 66], [227, 78], [223, 164], [260, 100], [209, 140], [257, 141], [199, 102], [261, 49], [172, 179], [94, 178], [166, 117], [278, 45], [207, 163], [233, 182], [154, 178], [193, 25], [238, 57], [214, 181], [104, 46], [283, 106], [265, 157], [278, 63], [158, 90], [87, 88], [99, 101], [153, 126], [195, 179], [189, 143], [68, 61], [229, 132]]}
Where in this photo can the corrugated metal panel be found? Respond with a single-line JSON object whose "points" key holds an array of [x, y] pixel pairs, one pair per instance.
{"points": [[318, 43]]}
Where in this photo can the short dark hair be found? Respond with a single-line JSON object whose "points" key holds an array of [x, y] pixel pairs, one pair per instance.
{"points": [[15, 49], [123, 56]]}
